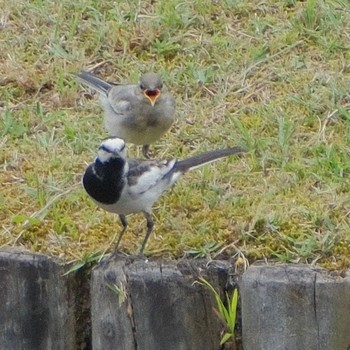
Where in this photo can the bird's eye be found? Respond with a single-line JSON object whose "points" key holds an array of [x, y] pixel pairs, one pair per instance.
{"points": [[105, 148], [142, 87]]}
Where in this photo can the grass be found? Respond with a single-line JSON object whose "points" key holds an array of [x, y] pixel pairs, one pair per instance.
{"points": [[271, 76], [227, 312]]}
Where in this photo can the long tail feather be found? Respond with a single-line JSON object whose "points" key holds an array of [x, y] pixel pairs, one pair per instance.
{"points": [[94, 82], [205, 158]]}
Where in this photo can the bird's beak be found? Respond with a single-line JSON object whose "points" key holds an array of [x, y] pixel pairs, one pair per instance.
{"points": [[152, 95]]}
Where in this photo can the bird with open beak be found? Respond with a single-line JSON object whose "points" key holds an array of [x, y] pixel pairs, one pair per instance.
{"points": [[151, 84], [138, 113]]}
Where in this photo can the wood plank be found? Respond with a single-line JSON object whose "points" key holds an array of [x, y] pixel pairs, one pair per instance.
{"points": [[37, 308], [294, 307], [161, 308]]}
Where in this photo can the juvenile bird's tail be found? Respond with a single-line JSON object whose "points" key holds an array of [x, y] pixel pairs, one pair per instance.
{"points": [[94, 82], [205, 158]]}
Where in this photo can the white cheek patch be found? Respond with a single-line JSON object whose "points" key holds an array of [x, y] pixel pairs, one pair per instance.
{"points": [[110, 147], [104, 156]]}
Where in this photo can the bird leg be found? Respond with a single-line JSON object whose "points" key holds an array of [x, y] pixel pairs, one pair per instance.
{"points": [[145, 151], [125, 225], [150, 225]]}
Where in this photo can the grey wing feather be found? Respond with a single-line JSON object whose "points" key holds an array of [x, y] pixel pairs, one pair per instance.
{"points": [[121, 97], [137, 168], [94, 82], [143, 175]]}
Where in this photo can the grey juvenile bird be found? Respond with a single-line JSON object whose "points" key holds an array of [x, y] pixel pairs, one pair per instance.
{"points": [[138, 113], [124, 186]]}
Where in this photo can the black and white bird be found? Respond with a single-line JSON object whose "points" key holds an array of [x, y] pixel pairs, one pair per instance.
{"points": [[138, 113], [125, 186]]}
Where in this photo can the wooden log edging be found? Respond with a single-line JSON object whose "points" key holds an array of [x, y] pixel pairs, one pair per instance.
{"points": [[138, 304], [37, 303], [295, 307], [157, 305]]}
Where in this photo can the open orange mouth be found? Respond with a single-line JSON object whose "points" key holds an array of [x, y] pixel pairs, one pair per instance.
{"points": [[152, 95]]}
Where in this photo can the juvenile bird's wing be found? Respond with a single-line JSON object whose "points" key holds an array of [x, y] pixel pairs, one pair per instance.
{"points": [[144, 175], [94, 82], [122, 98], [117, 97]]}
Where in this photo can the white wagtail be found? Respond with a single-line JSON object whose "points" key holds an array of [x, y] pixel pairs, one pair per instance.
{"points": [[138, 113], [124, 186]]}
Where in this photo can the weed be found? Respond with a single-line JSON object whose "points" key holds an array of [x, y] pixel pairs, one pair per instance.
{"points": [[227, 313], [205, 251], [119, 291], [87, 260]]}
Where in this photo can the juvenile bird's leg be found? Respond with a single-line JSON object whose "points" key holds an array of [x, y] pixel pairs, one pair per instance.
{"points": [[150, 225], [145, 151], [125, 225]]}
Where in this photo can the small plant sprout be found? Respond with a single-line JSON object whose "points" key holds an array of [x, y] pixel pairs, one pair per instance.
{"points": [[119, 291], [204, 251], [227, 313], [88, 260]]}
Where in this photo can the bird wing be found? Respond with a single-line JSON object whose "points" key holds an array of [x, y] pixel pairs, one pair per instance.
{"points": [[94, 82], [144, 175], [122, 98]]}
